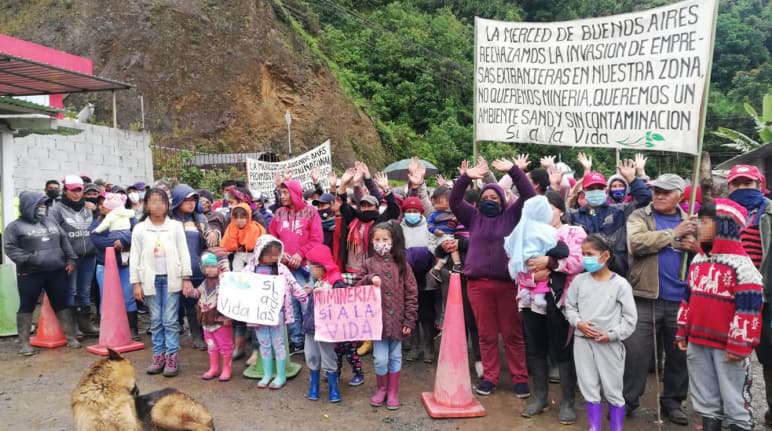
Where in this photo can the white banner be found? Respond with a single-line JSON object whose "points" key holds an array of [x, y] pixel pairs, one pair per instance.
{"points": [[251, 298], [632, 81], [260, 174]]}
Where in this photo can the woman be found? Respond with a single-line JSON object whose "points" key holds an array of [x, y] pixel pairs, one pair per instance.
{"points": [[44, 259], [549, 333], [120, 240], [491, 291]]}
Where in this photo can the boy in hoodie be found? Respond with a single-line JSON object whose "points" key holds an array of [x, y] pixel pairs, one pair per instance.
{"points": [[719, 321]]}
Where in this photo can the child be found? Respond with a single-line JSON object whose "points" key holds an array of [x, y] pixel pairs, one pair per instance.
{"points": [[600, 305], [442, 224], [534, 236], [719, 320], [218, 329], [241, 235], [388, 270], [320, 354], [119, 218], [159, 269], [265, 260]]}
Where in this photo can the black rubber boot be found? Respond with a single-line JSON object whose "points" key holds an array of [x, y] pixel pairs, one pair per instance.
{"points": [[84, 322], [538, 370], [67, 320], [23, 324], [133, 328], [427, 341], [567, 413], [711, 424]]}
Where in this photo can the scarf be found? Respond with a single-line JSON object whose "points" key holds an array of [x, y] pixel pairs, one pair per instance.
{"points": [[753, 201], [77, 206], [356, 241]]}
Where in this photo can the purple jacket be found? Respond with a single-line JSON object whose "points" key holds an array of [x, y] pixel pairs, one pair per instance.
{"points": [[485, 257]]}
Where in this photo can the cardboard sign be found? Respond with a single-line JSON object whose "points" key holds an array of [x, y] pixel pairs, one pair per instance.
{"points": [[348, 314], [261, 174], [631, 81], [251, 298]]}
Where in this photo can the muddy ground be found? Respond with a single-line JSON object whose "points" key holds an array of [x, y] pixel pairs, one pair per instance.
{"points": [[35, 395]]}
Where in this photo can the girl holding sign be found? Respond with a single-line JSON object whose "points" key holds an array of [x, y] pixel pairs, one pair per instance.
{"points": [[388, 270], [265, 260]]}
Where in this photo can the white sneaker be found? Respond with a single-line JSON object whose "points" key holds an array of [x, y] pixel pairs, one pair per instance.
{"points": [[478, 368]]}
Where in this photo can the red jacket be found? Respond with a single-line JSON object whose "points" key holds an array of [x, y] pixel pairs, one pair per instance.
{"points": [[298, 227]]}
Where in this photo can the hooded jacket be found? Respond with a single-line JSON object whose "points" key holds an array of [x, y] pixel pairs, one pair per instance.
{"points": [[485, 256], [76, 225], [292, 287], [36, 244], [298, 227], [195, 227], [722, 306], [627, 197], [234, 238]]}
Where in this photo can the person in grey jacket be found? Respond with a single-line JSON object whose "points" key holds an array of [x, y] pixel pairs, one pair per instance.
{"points": [[44, 258], [75, 217]]}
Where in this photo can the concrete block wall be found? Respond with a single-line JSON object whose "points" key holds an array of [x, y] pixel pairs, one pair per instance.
{"points": [[119, 156]]}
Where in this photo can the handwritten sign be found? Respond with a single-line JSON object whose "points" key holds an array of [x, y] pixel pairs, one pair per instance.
{"points": [[251, 298], [632, 81], [260, 174], [348, 314]]}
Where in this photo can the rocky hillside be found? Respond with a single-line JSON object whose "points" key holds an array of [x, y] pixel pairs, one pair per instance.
{"points": [[216, 76]]}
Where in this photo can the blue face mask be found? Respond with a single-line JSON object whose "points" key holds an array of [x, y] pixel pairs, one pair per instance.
{"points": [[595, 198], [490, 208], [412, 218], [591, 264], [617, 195]]}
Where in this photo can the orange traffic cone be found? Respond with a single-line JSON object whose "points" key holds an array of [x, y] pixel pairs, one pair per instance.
{"points": [[452, 396], [114, 326], [49, 333]]}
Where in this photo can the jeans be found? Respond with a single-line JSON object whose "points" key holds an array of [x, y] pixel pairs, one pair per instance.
{"points": [[80, 282], [31, 284], [128, 292], [295, 329], [164, 328], [387, 355]]}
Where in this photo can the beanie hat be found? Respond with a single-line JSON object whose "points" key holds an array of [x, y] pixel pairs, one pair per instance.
{"points": [[114, 200], [732, 211], [413, 203], [208, 259]]}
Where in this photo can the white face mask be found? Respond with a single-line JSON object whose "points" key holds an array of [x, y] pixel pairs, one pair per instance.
{"points": [[134, 197]]}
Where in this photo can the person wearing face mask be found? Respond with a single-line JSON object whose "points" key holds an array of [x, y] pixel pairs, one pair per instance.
{"points": [[324, 204], [91, 196], [492, 292], [136, 194], [598, 216], [746, 185], [52, 192], [44, 259], [618, 190]]}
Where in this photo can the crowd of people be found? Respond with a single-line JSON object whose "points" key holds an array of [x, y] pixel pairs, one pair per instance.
{"points": [[577, 278]]}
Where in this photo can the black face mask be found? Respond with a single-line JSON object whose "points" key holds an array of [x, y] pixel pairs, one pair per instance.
{"points": [[368, 216], [325, 213], [490, 208], [52, 194], [92, 200]]}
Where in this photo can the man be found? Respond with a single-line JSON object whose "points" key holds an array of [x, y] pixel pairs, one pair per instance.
{"points": [[746, 188], [659, 235], [324, 204], [52, 192], [609, 220]]}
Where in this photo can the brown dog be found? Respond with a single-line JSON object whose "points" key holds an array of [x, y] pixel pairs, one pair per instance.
{"points": [[105, 397], [172, 410]]}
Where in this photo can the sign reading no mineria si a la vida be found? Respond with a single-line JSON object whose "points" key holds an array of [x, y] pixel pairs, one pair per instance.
{"points": [[348, 314], [251, 298], [625, 81]]}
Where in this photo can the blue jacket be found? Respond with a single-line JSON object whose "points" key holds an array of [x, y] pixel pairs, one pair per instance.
{"points": [[106, 239], [195, 226], [610, 221]]}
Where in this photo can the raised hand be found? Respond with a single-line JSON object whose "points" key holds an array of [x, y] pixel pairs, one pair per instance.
{"points": [[521, 161], [640, 164], [626, 169], [315, 175], [442, 181], [358, 176], [585, 161], [277, 179], [483, 165], [547, 162], [503, 165], [347, 177], [363, 169], [382, 181], [463, 168], [416, 171], [555, 177], [332, 178]]}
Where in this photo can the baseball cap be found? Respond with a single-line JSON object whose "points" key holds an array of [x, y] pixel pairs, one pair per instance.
{"points": [[73, 182], [326, 198], [669, 182], [139, 185], [744, 171], [90, 187], [308, 193], [370, 199], [593, 178]]}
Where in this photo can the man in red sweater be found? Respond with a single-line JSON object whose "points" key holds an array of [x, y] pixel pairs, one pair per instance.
{"points": [[719, 322]]}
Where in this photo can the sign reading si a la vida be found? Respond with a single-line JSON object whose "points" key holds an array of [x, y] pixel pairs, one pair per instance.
{"points": [[251, 298], [348, 314], [260, 174], [632, 81]]}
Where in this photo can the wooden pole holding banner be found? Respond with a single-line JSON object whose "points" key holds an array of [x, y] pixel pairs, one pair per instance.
{"points": [[698, 156]]}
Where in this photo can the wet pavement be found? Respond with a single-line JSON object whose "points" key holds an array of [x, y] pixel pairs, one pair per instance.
{"points": [[35, 395]]}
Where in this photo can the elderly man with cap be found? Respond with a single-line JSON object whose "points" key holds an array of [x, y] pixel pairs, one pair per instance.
{"points": [[746, 187], [660, 236]]}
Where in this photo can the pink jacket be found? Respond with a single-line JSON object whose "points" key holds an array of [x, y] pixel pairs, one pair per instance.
{"points": [[298, 227], [573, 236]]}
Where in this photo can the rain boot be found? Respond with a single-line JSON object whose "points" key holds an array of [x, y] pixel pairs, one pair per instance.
{"points": [[214, 365], [538, 370], [227, 363], [382, 386], [84, 322], [196, 333], [23, 323], [267, 371], [416, 352], [734, 427], [616, 417], [711, 424], [281, 375], [595, 416], [365, 348], [392, 399], [567, 414], [67, 321], [332, 380], [133, 328], [427, 341], [238, 347], [313, 386]]}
